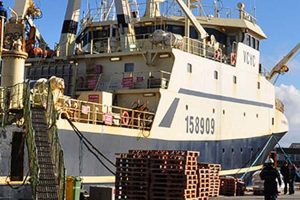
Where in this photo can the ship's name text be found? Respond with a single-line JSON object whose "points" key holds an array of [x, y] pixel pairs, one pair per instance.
{"points": [[249, 58], [202, 125]]}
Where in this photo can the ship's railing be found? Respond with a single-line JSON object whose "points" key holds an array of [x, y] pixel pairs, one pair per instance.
{"points": [[30, 141], [279, 105], [56, 149], [95, 113], [144, 42], [167, 8], [135, 80], [11, 102]]}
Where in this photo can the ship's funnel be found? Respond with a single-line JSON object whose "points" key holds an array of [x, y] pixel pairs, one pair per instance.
{"points": [[69, 29]]}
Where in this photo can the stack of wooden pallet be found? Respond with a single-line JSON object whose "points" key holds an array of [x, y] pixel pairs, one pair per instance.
{"points": [[214, 178], [228, 186], [132, 175], [164, 175], [204, 181], [173, 175], [231, 186]]}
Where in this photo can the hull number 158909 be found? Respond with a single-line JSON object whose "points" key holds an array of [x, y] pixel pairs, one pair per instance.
{"points": [[200, 125]]}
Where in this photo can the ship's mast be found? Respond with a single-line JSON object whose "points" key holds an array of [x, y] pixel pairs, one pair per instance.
{"points": [[69, 29], [152, 8], [126, 29]]}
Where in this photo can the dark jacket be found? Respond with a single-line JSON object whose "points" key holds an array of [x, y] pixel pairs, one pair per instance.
{"points": [[269, 174], [285, 171], [293, 173]]}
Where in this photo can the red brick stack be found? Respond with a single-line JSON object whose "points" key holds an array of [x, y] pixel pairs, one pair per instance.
{"points": [[165, 175], [228, 186]]}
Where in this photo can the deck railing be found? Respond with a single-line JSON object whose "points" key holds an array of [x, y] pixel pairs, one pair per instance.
{"points": [[145, 42], [95, 113], [167, 8]]}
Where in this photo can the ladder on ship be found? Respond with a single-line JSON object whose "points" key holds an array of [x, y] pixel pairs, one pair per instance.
{"points": [[45, 155], [47, 184]]}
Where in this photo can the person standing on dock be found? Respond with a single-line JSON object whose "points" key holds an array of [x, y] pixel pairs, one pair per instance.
{"points": [[269, 174], [285, 171], [293, 174]]}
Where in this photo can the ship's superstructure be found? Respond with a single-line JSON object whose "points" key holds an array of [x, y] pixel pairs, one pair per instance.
{"points": [[160, 78]]}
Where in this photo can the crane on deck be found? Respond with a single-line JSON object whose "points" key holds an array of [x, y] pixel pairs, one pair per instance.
{"points": [[281, 67], [35, 44]]}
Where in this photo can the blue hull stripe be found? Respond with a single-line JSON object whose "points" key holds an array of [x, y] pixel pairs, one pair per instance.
{"points": [[169, 116], [223, 98]]}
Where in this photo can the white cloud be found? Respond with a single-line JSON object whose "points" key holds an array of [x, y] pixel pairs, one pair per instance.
{"points": [[290, 96]]}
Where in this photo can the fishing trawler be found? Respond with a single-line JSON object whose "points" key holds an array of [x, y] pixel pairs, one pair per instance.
{"points": [[160, 75]]}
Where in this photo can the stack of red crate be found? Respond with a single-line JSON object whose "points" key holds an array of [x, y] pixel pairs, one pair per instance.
{"points": [[165, 175], [214, 178], [204, 182], [228, 186], [240, 187], [132, 176], [174, 175]]}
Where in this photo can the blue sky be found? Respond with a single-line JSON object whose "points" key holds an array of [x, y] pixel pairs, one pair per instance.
{"points": [[279, 19]]}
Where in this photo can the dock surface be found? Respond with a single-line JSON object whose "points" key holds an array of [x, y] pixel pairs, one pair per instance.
{"points": [[250, 197]]}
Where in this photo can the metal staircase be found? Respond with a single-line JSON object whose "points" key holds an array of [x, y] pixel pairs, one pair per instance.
{"points": [[47, 186], [45, 155]]}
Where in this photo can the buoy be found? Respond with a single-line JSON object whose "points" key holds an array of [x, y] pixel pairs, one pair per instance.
{"points": [[125, 118]]}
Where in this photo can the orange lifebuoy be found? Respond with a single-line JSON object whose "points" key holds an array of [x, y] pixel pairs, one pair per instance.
{"points": [[125, 118], [217, 54], [233, 58]]}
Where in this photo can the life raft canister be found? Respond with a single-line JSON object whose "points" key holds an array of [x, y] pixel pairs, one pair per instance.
{"points": [[125, 118]]}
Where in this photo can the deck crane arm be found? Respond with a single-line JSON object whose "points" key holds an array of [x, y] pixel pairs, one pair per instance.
{"points": [[69, 28], [27, 10], [281, 66], [192, 18], [125, 24]]}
